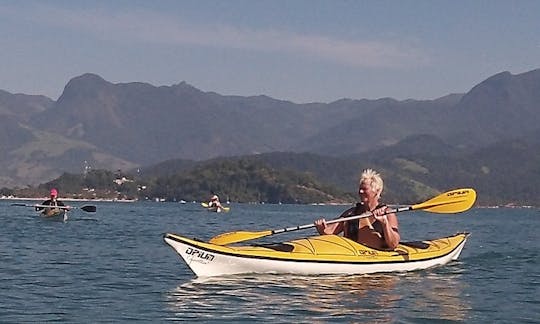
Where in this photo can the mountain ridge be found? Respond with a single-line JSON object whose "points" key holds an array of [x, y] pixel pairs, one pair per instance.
{"points": [[136, 124]]}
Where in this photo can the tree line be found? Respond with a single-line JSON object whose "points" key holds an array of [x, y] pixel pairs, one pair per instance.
{"points": [[236, 181]]}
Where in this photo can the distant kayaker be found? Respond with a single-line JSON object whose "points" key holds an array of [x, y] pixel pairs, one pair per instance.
{"points": [[378, 231], [52, 201], [214, 202]]}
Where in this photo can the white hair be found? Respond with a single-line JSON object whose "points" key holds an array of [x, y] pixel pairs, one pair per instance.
{"points": [[373, 179]]}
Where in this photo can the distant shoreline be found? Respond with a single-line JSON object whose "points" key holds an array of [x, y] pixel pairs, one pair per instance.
{"points": [[314, 204]]}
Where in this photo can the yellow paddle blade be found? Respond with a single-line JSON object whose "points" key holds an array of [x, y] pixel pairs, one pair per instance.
{"points": [[454, 201], [239, 236]]}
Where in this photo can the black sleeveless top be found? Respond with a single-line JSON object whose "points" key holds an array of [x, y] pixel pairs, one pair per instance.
{"points": [[352, 225]]}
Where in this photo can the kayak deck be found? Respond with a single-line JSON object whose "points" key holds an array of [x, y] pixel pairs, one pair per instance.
{"points": [[54, 214]]}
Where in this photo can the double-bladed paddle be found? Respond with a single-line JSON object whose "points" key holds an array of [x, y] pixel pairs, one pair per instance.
{"points": [[86, 208], [454, 201]]}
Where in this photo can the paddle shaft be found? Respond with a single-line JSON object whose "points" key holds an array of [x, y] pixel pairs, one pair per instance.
{"points": [[53, 206], [41, 206], [425, 205], [86, 208], [338, 220]]}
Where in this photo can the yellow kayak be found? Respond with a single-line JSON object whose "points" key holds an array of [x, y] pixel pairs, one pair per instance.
{"points": [[324, 254]]}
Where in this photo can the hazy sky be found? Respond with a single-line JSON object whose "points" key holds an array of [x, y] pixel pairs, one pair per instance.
{"points": [[302, 51]]}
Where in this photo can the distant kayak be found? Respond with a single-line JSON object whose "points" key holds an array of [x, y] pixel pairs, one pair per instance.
{"points": [[215, 209], [324, 254], [56, 214]]}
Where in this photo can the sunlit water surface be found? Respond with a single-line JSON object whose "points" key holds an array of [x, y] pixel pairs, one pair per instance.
{"points": [[112, 266]]}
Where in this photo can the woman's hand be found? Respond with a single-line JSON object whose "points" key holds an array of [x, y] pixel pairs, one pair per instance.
{"points": [[320, 224], [380, 214]]}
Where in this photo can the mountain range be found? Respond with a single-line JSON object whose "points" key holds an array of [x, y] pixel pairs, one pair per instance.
{"points": [[101, 125]]}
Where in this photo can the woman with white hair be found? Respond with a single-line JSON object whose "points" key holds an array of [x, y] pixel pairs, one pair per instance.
{"points": [[378, 231]]}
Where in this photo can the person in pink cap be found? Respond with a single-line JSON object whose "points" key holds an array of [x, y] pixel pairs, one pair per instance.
{"points": [[52, 201]]}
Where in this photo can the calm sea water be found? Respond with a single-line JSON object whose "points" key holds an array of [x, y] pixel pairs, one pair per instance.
{"points": [[112, 266]]}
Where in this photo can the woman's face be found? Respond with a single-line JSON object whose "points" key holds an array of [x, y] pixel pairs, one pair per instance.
{"points": [[366, 193]]}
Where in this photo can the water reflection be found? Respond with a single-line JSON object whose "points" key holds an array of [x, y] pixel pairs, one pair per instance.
{"points": [[368, 297], [379, 298]]}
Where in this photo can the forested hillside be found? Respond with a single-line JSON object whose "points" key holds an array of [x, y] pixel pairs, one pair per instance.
{"points": [[415, 169]]}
